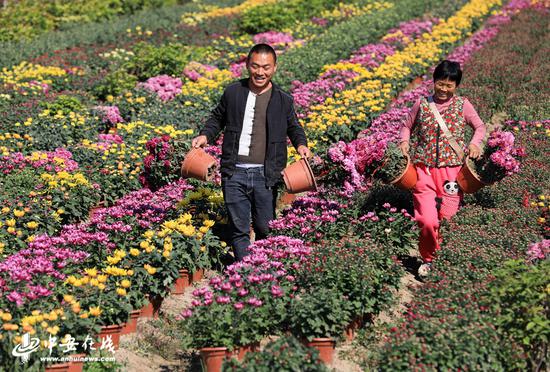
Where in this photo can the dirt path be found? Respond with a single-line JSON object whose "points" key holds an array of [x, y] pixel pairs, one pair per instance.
{"points": [[154, 348]]}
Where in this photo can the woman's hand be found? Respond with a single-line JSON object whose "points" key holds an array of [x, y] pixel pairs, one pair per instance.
{"points": [[473, 151], [405, 147]]}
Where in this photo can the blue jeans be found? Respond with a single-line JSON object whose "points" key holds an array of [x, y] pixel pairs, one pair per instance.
{"points": [[246, 195]]}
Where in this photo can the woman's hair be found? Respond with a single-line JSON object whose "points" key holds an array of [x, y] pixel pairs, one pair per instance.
{"points": [[262, 48], [448, 70]]}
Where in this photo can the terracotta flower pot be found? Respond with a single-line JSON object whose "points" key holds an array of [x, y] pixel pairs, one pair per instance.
{"points": [[241, 351], [76, 365], [198, 164], [326, 347], [299, 177], [146, 311], [212, 358], [468, 181], [182, 282], [197, 275], [111, 330], [407, 179], [287, 198], [59, 367], [152, 308], [72, 366], [131, 324]]}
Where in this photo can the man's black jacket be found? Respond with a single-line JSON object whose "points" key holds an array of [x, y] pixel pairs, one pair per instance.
{"points": [[281, 121]]}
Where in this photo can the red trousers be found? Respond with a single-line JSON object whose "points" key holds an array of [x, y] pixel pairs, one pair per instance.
{"points": [[436, 196]]}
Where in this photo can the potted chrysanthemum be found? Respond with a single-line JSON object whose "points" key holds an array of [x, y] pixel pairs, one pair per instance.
{"points": [[319, 318], [394, 167], [501, 158]]}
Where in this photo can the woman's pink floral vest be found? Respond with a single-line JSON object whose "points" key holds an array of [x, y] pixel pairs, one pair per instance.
{"points": [[432, 148]]}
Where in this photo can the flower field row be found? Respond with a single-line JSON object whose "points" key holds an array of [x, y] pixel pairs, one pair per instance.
{"points": [[286, 285], [351, 106], [37, 19], [217, 12]]}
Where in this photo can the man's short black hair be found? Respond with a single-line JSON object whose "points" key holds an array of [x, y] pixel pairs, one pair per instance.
{"points": [[448, 70], [262, 48]]}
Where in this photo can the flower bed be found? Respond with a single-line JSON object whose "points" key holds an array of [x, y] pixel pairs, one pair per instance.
{"points": [[248, 302], [95, 273], [41, 192], [283, 284], [517, 86]]}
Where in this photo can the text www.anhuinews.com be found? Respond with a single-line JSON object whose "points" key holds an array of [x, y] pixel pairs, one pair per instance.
{"points": [[77, 359]]}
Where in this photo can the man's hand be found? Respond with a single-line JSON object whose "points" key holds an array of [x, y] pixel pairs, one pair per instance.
{"points": [[405, 147], [199, 141], [304, 151], [473, 151]]}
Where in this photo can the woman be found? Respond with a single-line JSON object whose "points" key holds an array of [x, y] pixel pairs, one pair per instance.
{"points": [[438, 154]]}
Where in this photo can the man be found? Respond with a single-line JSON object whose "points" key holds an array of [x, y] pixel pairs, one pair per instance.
{"points": [[256, 116]]}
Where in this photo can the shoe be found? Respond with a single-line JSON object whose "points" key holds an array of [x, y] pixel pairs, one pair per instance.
{"points": [[424, 269]]}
